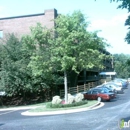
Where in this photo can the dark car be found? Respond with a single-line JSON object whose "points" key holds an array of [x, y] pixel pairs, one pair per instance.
{"points": [[96, 93]]}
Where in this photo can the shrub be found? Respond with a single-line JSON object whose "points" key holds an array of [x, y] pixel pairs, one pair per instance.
{"points": [[70, 99], [56, 100], [74, 104], [79, 97]]}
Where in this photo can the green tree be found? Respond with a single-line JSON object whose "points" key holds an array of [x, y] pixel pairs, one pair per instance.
{"points": [[39, 43], [2, 57], [69, 49], [121, 65], [125, 4], [13, 66], [76, 48], [15, 76]]}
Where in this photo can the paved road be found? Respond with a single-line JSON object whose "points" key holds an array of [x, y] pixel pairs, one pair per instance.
{"points": [[105, 118]]}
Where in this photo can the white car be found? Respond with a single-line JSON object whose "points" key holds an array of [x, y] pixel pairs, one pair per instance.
{"points": [[116, 87], [119, 83]]}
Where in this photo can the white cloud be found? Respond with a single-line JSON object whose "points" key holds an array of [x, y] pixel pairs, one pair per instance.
{"points": [[114, 31], [101, 23], [120, 18], [120, 47], [115, 36]]}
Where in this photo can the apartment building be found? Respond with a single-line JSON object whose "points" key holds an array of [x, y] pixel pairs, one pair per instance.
{"points": [[92, 75]]}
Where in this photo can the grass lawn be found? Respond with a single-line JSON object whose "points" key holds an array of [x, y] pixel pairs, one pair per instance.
{"points": [[43, 107]]}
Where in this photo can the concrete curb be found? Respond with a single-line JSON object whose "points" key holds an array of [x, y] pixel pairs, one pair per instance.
{"points": [[96, 106]]}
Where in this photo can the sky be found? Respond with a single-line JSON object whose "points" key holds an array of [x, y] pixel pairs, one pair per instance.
{"points": [[102, 15]]}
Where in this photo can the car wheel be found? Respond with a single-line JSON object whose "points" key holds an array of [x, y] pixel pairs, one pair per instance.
{"points": [[99, 99]]}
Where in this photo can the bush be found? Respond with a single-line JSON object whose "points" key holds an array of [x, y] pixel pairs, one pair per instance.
{"points": [[56, 100], [70, 99], [79, 97], [50, 105]]}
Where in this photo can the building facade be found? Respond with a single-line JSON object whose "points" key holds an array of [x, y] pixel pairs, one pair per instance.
{"points": [[92, 75], [20, 25]]}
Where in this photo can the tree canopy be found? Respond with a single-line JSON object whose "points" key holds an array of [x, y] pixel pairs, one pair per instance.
{"points": [[16, 77], [68, 48], [125, 4], [75, 47], [39, 60], [121, 65], [72, 49]]}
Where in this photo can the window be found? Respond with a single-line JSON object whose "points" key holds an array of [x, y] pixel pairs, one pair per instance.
{"points": [[89, 92], [95, 92], [1, 34]]}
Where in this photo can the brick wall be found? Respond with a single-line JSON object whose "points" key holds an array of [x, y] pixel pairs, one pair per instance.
{"points": [[20, 25]]}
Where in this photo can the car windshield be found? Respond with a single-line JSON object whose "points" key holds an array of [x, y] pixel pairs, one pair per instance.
{"points": [[114, 84], [107, 87]]}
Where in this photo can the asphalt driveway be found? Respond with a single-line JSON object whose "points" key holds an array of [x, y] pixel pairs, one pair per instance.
{"points": [[107, 117]]}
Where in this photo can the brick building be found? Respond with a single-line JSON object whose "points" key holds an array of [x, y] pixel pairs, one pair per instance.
{"points": [[20, 25]]}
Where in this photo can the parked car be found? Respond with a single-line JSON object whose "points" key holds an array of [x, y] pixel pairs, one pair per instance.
{"points": [[96, 93], [114, 87], [128, 80], [109, 89], [117, 82], [124, 83]]}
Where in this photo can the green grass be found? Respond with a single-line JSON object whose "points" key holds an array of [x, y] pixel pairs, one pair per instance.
{"points": [[43, 108], [50, 105]]}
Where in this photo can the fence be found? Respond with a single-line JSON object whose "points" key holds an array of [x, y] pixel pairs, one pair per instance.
{"points": [[78, 89]]}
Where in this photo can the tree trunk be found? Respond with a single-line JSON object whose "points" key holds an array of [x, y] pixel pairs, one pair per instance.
{"points": [[65, 85]]}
